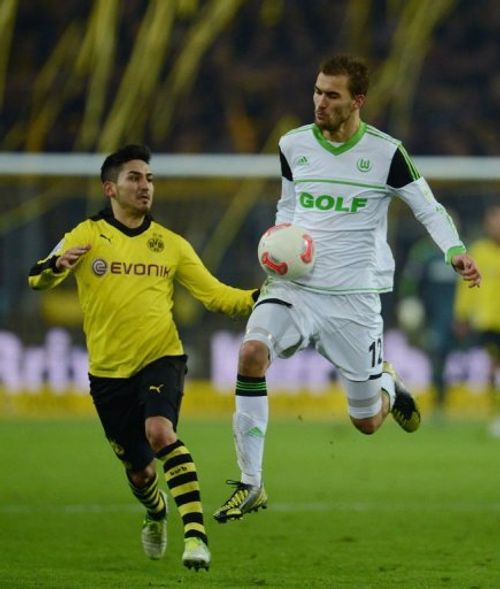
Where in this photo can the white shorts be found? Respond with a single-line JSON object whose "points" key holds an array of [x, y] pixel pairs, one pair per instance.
{"points": [[346, 329]]}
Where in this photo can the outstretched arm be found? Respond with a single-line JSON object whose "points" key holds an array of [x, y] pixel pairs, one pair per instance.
{"points": [[213, 294], [53, 269]]}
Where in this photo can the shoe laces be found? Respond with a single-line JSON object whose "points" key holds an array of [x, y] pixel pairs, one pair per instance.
{"points": [[400, 415], [154, 526], [404, 406], [239, 494]]}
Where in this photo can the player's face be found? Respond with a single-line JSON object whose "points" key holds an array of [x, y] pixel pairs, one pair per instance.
{"points": [[333, 103], [133, 189]]}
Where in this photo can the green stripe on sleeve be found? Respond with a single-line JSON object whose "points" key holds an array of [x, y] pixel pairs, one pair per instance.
{"points": [[415, 174]]}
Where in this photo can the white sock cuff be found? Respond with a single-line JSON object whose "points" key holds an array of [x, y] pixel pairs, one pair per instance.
{"points": [[387, 384]]}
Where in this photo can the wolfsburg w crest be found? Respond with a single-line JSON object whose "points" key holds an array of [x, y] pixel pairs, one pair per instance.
{"points": [[155, 243], [363, 165]]}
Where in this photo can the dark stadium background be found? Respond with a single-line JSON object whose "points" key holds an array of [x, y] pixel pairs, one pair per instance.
{"points": [[223, 77]]}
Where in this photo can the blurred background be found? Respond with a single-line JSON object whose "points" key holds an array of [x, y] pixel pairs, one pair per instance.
{"points": [[209, 80]]}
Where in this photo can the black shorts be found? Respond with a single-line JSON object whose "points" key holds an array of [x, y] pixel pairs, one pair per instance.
{"points": [[123, 404]]}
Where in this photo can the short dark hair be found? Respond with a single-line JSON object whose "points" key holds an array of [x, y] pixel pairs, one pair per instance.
{"points": [[113, 163], [353, 67]]}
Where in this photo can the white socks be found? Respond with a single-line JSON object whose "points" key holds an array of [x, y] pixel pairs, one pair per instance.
{"points": [[249, 429]]}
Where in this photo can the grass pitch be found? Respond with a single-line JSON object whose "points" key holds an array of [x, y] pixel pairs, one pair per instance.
{"points": [[346, 511]]}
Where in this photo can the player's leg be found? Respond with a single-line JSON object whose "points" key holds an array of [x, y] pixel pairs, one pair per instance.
{"points": [[271, 332], [441, 342], [162, 384], [249, 429], [123, 422], [368, 404], [251, 409], [350, 335], [144, 486], [371, 401], [491, 342], [404, 409]]}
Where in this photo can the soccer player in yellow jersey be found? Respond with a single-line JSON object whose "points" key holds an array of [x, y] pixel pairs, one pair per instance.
{"points": [[480, 311], [125, 265]]}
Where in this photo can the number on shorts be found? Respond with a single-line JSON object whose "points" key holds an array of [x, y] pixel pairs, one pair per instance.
{"points": [[376, 350]]}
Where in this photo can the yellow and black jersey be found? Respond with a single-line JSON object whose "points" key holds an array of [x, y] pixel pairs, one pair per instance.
{"points": [[481, 306], [125, 287]]}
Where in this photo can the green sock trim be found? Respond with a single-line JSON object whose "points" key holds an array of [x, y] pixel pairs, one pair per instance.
{"points": [[249, 386]]}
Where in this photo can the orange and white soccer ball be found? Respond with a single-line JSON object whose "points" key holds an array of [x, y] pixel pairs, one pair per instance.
{"points": [[286, 251]]}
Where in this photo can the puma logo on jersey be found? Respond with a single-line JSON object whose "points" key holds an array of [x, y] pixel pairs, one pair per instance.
{"points": [[105, 237], [155, 389]]}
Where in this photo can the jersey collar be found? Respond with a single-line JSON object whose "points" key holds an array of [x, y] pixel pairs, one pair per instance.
{"points": [[341, 148], [107, 215]]}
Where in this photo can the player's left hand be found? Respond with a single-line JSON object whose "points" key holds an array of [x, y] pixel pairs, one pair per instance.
{"points": [[464, 265]]}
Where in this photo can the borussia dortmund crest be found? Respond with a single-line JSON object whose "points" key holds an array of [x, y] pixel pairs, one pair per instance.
{"points": [[155, 243]]}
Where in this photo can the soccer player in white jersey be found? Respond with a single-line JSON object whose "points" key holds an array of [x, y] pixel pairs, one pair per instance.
{"points": [[339, 176]]}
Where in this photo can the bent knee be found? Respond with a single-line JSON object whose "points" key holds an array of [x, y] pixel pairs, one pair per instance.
{"points": [[159, 433], [253, 358], [142, 478], [367, 426]]}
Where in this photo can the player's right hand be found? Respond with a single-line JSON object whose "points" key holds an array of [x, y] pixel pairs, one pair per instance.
{"points": [[70, 257]]}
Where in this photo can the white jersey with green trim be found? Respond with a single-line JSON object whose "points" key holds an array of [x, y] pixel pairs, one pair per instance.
{"points": [[341, 194]]}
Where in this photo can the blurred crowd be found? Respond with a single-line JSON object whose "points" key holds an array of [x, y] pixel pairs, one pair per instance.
{"points": [[259, 68], [458, 97]]}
